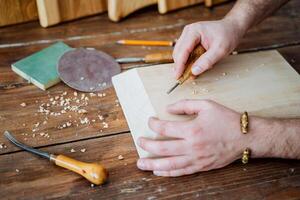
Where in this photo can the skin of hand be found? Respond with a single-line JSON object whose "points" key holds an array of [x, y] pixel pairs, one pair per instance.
{"points": [[219, 38], [210, 140]]}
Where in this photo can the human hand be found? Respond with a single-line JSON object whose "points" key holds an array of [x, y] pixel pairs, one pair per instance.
{"points": [[219, 38], [211, 140]]}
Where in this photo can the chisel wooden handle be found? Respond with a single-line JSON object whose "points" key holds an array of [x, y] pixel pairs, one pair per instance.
{"points": [[163, 57], [93, 172], [196, 53]]}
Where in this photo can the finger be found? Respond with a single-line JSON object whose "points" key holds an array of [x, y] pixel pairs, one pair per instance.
{"points": [[188, 107], [168, 128], [185, 45], [164, 164], [207, 60], [163, 147], [177, 172]]}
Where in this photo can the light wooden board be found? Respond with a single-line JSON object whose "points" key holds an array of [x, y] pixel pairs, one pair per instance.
{"points": [[165, 6], [52, 12], [17, 11], [262, 83], [117, 9]]}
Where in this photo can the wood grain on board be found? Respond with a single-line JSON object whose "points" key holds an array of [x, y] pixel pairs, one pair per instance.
{"points": [[38, 179], [118, 9], [52, 12], [263, 84], [17, 11], [25, 176], [210, 3]]}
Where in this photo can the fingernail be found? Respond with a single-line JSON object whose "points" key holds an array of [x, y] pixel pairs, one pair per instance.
{"points": [[155, 173], [140, 164], [196, 70]]}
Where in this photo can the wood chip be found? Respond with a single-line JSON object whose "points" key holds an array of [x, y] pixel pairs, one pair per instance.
{"points": [[23, 104], [72, 151], [83, 150], [120, 157]]}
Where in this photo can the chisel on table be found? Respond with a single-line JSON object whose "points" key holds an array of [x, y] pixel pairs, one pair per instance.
{"points": [[195, 54], [93, 172], [163, 57]]}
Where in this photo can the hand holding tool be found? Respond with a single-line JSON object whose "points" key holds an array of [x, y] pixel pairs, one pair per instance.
{"points": [[146, 42], [93, 172], [195, 54], [163, 57]]}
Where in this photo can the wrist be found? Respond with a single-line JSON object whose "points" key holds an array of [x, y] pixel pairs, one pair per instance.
{"points": [[272, 138], [237, 25]]}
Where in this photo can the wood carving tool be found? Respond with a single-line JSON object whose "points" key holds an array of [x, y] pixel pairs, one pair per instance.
{"points": [[93, 172], [146, 42], [163, 57], [87, 70], [195, 54]]}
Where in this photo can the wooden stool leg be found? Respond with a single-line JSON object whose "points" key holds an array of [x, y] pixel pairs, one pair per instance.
{"points": [[165, 6], [117, 9]]}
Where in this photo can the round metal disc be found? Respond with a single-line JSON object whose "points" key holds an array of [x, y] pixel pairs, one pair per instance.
{"points": [[87, 70]]}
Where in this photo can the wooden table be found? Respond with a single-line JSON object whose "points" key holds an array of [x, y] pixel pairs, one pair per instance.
{"points": [[24, 176]]}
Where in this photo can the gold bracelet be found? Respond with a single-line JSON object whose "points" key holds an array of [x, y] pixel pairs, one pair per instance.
{"points": [[244, 122], [244, 129], [246, 156]]}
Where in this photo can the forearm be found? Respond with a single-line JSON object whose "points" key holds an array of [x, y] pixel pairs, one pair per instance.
{"points": [[247, 13], [275, 138]]}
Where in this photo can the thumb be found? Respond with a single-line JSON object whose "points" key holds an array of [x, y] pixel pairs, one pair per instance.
{"points": [[207, 60], [188, 107]]}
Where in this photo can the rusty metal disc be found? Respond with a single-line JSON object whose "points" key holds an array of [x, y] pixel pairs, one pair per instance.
{"points": [[87, 70]]}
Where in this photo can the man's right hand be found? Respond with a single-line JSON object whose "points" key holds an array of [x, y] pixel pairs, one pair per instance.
{"points": [[219, 38]]}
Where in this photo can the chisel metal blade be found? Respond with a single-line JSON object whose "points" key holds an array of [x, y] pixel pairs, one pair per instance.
{"points": [[25, 147], [173, 88], [129, 60]]}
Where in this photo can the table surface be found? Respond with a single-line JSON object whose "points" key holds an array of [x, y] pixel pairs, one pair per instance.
{"points": [[24, 176]]}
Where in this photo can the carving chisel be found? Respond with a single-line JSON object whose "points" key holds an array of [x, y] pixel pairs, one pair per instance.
{"points": [[93, 172], [163, 57], [195, 54]]}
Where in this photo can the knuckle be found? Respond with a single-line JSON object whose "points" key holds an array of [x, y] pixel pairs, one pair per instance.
{"points": [[162, 150]]}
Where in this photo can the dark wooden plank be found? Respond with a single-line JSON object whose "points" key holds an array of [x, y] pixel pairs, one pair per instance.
{"points": [[38, 179], [282, 27], [21, 120]]}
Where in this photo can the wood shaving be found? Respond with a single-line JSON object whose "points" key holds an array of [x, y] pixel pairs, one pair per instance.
{"points": [[3, 146], [17, 170], [83, 150], [23, 104], [72, 151], [120, 157]]}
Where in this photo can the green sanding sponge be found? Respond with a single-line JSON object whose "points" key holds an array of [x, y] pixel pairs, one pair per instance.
{"points": [[40, 68]]}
